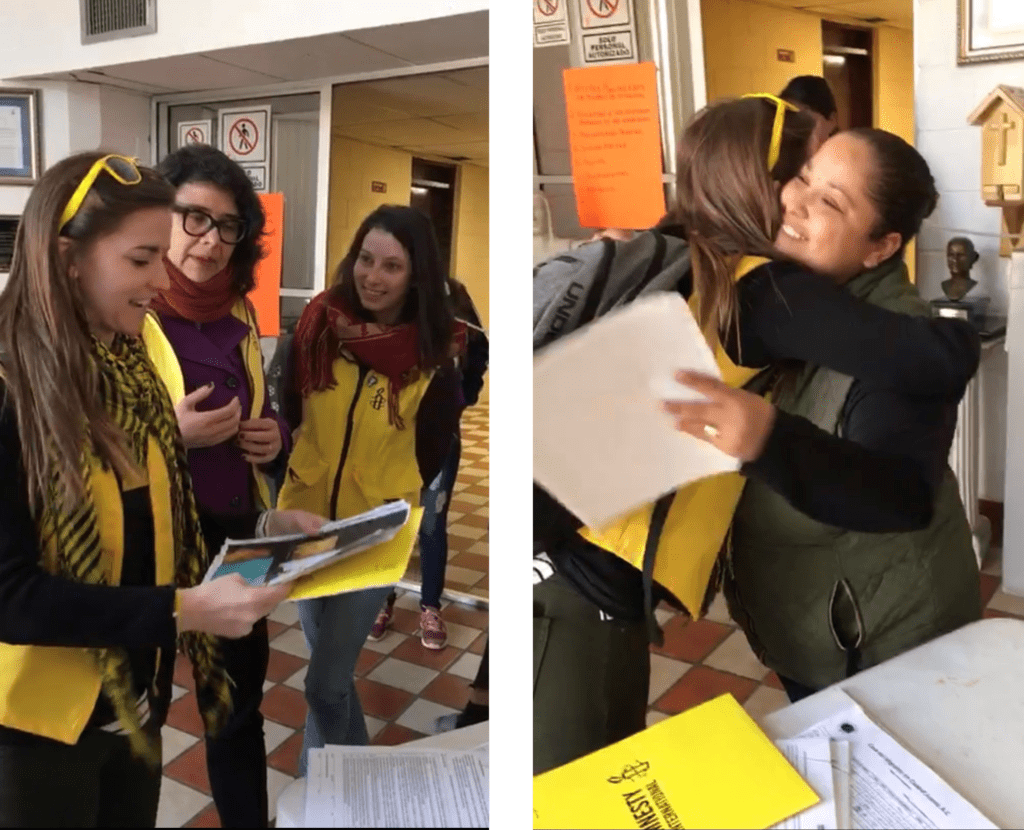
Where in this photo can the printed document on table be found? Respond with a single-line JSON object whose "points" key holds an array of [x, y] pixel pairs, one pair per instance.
{"points": [[601, 444], [812, 758], [350, 786], [890, 787]]}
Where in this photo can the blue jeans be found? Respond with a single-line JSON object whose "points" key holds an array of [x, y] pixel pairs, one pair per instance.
{"points": [[336, 629], [434, 527]]}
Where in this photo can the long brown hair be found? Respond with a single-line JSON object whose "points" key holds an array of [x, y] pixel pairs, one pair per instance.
{"points": [[726, 198], [45, 346]]}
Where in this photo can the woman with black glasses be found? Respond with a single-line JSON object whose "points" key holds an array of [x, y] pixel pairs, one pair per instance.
{"points": [[230, 429]]}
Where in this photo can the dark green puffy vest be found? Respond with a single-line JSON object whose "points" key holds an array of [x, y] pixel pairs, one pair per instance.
{"points": [[803, 591]]}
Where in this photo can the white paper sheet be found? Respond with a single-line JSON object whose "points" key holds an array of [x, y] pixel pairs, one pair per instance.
{"points": [[387, 787], [890, 787], [812, 758], [601, 444]]}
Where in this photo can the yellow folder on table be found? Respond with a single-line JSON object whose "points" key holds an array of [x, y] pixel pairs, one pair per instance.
{"points": [[383, 564], [708, 767]]}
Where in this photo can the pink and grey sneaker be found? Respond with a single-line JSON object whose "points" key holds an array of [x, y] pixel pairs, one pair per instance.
{"points": [[433, 634], [383, 621]]}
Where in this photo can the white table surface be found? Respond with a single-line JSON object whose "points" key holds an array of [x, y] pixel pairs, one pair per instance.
{"points": [[956, 702], [291, 804]]}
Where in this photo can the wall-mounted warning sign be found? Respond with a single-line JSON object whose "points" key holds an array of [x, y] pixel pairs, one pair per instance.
{"points": [[603, 32], [609, 46], [244, 134], [550, 22], [194, 132], [595, 14]]}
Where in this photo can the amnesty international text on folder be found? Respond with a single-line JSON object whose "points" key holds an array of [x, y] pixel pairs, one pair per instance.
{"points": [[709, 767]]}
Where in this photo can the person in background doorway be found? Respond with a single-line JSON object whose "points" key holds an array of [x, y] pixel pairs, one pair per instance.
{"points": [[813, 94], [232, 433], [374, 393], [101, 545], [433, 536]]}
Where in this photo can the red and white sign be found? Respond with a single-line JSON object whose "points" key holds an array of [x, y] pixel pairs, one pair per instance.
{"points": [[243, 134], [194, 132], [550, 22], [598, 13]]}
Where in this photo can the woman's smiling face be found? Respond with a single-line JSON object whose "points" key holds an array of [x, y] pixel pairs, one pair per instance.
{"points": [[828, 214]]}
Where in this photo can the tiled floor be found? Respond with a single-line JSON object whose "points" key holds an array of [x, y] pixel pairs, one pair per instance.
{"points": [[403, 687], [468, 514], [705, 658]]}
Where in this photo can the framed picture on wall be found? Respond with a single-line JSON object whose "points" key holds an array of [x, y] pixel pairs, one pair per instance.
{"points": [[19, 136], [989, 30]]}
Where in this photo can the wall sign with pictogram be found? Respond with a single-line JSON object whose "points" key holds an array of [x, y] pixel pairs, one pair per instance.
{"points": [[550, 22], [244, 134], [604, 32], [596, 14], [195, 132]]}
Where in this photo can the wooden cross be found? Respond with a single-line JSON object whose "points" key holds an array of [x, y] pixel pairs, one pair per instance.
{"points": [[1003, 128]]}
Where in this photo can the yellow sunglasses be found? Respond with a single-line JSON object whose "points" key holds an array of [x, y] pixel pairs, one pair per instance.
{"points": [[780, 117], [121, 168]]}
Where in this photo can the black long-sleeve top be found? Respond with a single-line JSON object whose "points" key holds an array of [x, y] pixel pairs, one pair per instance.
{"points": [[40, 608], [897, 421]]}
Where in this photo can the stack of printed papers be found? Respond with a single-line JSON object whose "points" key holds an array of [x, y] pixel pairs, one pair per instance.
{"points": [[364, 786]]}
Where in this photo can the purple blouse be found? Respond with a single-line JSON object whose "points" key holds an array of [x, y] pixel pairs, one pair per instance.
{"points": [[209, 352]]}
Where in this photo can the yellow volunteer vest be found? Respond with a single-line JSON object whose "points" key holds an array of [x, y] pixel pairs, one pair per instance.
{"points": [[698, 519], [379, 460], [161, 352], [51, 691]]}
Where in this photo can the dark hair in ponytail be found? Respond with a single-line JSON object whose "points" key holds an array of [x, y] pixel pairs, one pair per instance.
{"points": [[901, 188]]}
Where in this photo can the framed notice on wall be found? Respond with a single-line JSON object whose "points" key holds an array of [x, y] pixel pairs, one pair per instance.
{"points": [[195, 132], [19, 136], [989, 30]]}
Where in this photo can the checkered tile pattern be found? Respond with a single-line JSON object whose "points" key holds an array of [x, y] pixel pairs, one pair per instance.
{"points": [[403, 686], [468, 514], [705, 658]]}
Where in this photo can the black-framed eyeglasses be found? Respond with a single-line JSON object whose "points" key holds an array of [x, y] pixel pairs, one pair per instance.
{"points": [[198, 222]]}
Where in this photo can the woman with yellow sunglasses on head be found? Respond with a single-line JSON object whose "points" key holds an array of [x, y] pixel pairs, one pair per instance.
{"points": [[101, 545], [766, 282]]}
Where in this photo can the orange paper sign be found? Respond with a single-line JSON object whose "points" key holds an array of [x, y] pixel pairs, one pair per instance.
{"points": [[615, 142], [266, 296]]}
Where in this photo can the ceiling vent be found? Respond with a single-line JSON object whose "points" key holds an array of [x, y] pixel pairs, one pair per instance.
{"points": [[875, 20], [115, 19]]}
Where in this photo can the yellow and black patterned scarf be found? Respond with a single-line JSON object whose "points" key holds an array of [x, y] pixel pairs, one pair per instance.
{"points": [[138, 403]]}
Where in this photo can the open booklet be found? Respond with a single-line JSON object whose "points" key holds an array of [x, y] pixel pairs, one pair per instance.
{"points": [[278, 559]]}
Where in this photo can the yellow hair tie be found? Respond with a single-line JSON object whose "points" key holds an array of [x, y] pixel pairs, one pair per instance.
{"points": [[780, 116]]}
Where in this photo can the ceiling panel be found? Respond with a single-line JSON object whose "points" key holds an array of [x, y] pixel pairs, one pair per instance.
{"points": [[896, 12], [429, 95], [452, 38], [399, 133], [307, 58], [187, 73]]}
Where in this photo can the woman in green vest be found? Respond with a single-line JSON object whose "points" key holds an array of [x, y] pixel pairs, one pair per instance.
{"points": [[101, 545], [841, 560]]}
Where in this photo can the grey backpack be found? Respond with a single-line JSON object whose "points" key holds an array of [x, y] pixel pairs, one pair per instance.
{"points": [[576, 287]]}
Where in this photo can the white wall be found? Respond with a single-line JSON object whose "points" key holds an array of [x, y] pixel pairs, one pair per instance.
{"points": [[944, 95], [43, 36]]}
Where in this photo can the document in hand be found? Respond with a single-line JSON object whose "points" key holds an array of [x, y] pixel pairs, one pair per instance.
{"points": [[710, 766], [350, 554], [601, 444]]}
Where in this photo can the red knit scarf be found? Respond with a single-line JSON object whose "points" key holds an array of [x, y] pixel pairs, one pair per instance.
{"points": [[200, 302], [326, 326]]}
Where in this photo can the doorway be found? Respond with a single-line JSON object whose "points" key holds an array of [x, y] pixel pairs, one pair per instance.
{"points": [[433, 193], [848, 68]]}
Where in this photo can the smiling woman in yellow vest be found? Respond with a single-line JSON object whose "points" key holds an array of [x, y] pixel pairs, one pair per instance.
{"points": [[101, 545], [233, 436], [595, 590], [377, 393]]}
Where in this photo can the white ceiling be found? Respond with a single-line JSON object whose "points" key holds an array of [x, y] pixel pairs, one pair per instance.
{"points": [[439, 40], [898, 13], [442, 115]]}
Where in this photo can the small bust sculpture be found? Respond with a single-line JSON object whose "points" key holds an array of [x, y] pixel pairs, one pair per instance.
{"points": [[960, 257]]}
